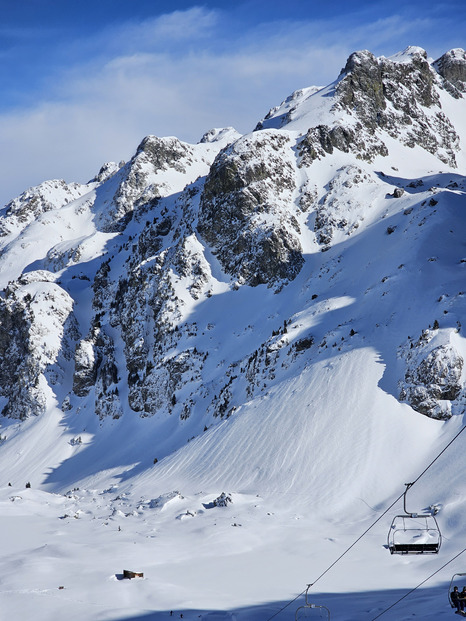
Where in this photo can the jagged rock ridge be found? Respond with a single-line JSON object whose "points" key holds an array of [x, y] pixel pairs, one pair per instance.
{"points": [[135, 302]]}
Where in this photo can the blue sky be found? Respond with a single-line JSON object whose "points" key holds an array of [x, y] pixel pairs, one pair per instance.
{"points": [[83, 82]]}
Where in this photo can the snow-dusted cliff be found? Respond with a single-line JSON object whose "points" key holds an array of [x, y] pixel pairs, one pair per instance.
{"points": [[180, 226]]}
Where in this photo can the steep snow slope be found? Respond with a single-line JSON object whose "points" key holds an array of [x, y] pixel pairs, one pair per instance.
{"points": [[276, 317]]}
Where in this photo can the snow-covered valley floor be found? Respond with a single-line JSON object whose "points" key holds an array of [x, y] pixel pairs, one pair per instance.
{"points": [[64, 551]]}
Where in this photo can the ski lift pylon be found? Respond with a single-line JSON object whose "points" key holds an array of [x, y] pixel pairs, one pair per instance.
{"points": [[414, 533], [308, 607]]}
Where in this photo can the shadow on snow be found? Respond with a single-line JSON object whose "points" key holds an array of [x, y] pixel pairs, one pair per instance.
{"points": [[428, 604]]}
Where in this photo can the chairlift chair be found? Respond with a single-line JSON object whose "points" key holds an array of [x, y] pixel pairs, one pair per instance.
{"points": [[305, 611], [456, 577], [414, 533]]}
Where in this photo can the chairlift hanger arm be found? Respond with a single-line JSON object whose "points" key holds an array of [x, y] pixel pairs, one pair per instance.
{"points": [[307, 604], [408, 485]]}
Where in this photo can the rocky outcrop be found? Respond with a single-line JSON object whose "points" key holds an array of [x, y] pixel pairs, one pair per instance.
{"points": [[361, 89], [37, 335], [38, 200], [322, 140], [245, 213], [279, 116], [398, 96], [140, 183], [96, 369], [106, 171], [19, 371], [433, 381], [452, 67], [85, 367], [137, 181], [228, 134], [343, 206]]}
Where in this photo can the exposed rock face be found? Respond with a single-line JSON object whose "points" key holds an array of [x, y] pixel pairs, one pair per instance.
{"points": [[223, 500], [452, 67], [95, 369], [33, 341], [85, 366], [57, 258], [95, 366], [433, 378], [143, 307], [18, 368], [137, 180], [395, 95], [248, 182], [216, 134], [361, 88], [107, 399], [322, 140]]}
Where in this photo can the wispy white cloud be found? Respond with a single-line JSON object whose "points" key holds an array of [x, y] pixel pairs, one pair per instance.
{"points": [[171, 32], [179, 74], [175, 27]]}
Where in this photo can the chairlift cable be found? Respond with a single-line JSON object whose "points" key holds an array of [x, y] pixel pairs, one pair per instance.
{"points": [[441, 453], [388, 508], [340, 557], [373, 524], [289, 604], [419, 585]]}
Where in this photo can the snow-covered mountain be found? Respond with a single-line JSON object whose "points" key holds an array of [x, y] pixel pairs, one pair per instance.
{"points": [[259, 331]]}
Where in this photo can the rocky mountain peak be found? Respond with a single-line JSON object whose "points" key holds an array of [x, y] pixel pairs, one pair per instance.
{"points": [[39, 199], [245, 210], [219, 134], [161, 153], [145, 259], [361, 59], [452, 67], [106, 171], [398, 96], [375, 101]]}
